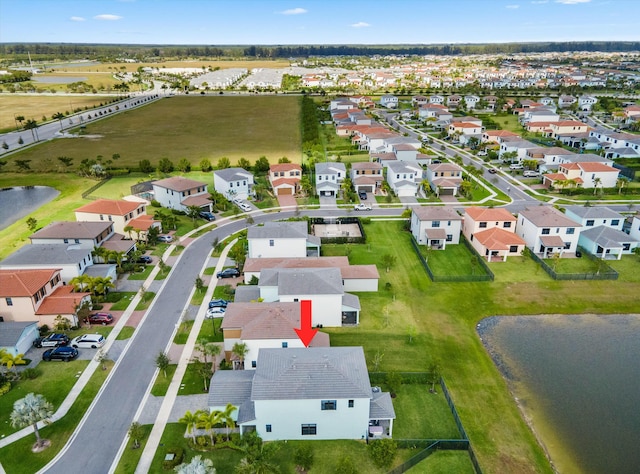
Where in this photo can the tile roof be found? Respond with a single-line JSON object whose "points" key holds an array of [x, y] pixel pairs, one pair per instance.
{"points": [[547, 216], [366, 165], [276, 183], [110, 206], [24, 282], [178, 183], [200, 200], [381, 406], [72, 230], [285, 167], [311, 373], [606, 236], [230, 386], [597, 212], [552, 241], [118, 243], [444, 167], [330, 168], [303, 281], [143, 222], [232, 174], [279, 230], [496, 214], [62, 301], [428, 213], [498, 239], [11, 332], [47, 254]]}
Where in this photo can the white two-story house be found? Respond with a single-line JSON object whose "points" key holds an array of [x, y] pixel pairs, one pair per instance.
{"points": [[404, 177], [436, 226], [233, 183], [281, 239], [179, 193], [547, 231], [329, 177]]}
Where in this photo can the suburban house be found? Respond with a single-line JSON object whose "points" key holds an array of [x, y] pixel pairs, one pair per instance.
{"points": [[587, 175], [332, 307], [389, 101], [16, 337], [233, 183], [634, 229], [403, 177], [38, 295], [70, 260], [366, 176], [354, 277], [464, 131], [285, 178], [606, 242], [305, 394], [444, 178], [180, 193], [82, 234], [329, 176], [121, 213], [491, 231], [547, 231], [497, 136], [519, 147], [566, 101], [436, 226], [281, 239], [567, 126], [261, 326], [585, 102], [594, 216]]}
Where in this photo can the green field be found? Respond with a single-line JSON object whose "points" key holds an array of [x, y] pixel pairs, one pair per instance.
{"points": [[192, 127]]}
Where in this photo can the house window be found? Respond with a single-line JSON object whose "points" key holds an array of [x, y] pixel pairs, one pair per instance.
{"points": [[513, 249], [545, 231], [77, 241], [449, 237], [626, 247], [350, 403], [231, 185], [101, 217], [308, 430], [571, 230], [271, 243], [435, 224], [285, 345], [9, 301], [268, 428], [615, 222], [254, 364], [506, 225], [471, 239], [567, 245], [328, 405], [590, 223], [482, 225]]}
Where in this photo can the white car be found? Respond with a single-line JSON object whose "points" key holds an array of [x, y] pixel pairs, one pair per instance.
{"points": [[165, 238], [244, 206], [91, 341], [216, 312], [361, 207]]}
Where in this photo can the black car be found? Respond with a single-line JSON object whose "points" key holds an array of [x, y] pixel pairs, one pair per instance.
{"points": [[220, 303], [63, 353], [208, 216], [52, 340], [362, 195], [228, 273], [144, 259]]}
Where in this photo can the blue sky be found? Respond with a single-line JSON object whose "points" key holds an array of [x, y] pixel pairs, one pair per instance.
{"points": [[223, 22]]}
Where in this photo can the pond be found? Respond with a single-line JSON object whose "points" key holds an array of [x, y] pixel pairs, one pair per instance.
{"points": [[17, 202], [576, 379]]}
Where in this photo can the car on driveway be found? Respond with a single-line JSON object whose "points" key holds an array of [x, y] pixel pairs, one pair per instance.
{"points": [[91, 341], [219, 303], [63, 353], [493, 170], [361, 207], [52, 340], [209, 216], [362, 195], [165, 239], [217, 312], [144, 259], [228, 273], [100, 318], [243, 205]]}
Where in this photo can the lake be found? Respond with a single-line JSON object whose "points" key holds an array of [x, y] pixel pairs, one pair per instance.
{"points": [[17, 202], [577, 381]]}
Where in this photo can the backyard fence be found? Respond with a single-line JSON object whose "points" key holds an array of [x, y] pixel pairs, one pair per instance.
{"points": [[603, 271], [88, 192]]}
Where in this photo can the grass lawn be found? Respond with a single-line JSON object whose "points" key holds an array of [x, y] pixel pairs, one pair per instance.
{"points": [[265, 203], [445, 462], [125, 333], [162, 382], [210, 127], [454, 260], [120, 299], [58, 433], [141, 275], [183, 332], [192, 383], [518, 269], [627, 267], [209, 271], [225, 292], [445, 316], [198, 296], [162, 274], [212, 63], [211, 331], [574, 265], [54, 383], [130, 456], [145, 301], [385, 199]]}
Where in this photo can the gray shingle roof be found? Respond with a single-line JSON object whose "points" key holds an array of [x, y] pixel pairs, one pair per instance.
{"points": [[233, 174], [11, 331], [330, 168], [246, 293], [425, 213], [606, 237], [311, 373], [547, 216], [49, 254], [72, 230], [279, 230], [352, 301], [381, 407], [303, 281], [230, 386], [596, 212]]}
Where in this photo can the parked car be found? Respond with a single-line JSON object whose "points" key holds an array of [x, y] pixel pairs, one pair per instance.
{"points": [[493, 170], [216, 312], [165, 238], [482, 153], [63, 353], [228, 273], [144, 259], [100, 318], [219, 303], [52, 340], [530, 174], [361, 207], [209, 216], [243, 205], [515, 166], [362, 195], [92, 341], [436, 162]]}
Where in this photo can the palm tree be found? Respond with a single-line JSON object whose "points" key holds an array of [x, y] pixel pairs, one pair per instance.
{"points": [[10, 361], [208, 420], [240, 350], [128, 229], [596, 182], [193, 212], [102, 285], [191, 420], [81, 282], [209, 349], [227, 419], [33, 126], [58, 116], [29, 411]]}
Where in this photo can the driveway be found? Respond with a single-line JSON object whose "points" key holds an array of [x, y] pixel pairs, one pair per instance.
{"points": [[287, 200], [408, 200], [328, 202]]}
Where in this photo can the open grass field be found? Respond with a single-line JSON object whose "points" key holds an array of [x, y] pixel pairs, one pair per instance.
{"points": [[191, 127], [35, 106], [101, 82], [222, 64], [454, 260], [445, 316]]}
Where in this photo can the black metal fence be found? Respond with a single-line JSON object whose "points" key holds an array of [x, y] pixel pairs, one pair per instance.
{"points": [[88, 192], [602, 271]]}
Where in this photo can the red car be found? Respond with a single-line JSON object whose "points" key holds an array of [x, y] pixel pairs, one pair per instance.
{"points": [[100, 318]]}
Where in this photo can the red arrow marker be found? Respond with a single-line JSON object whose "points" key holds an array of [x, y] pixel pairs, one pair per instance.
{"points": [[306, 333]]}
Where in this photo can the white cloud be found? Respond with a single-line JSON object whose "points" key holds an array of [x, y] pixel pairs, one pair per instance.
{"points": [[572, 2], [513, 7], [294, 11], [540, 2], [107, 17], [77, 18], [361, 24]]}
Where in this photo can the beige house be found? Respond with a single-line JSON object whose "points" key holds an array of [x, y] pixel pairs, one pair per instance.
{"points": [[121, 213], [491, 232], [38, 295], [285, 178], [567, 126], [444, 178], [366, 176]]}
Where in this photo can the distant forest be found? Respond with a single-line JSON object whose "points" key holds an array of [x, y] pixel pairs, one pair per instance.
{"points": [[98, 51]]}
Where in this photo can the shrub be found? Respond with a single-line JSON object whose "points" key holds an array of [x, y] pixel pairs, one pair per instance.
{"points": [[346, 465], [30, 373], [44, 330], [383, 451], [155, 203], [303, 457], [5, 387], [177, 458]]}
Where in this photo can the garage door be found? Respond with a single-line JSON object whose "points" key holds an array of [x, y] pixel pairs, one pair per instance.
{"points": [[285, 190], [326, 193], [447, 191], [366, 189]]}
